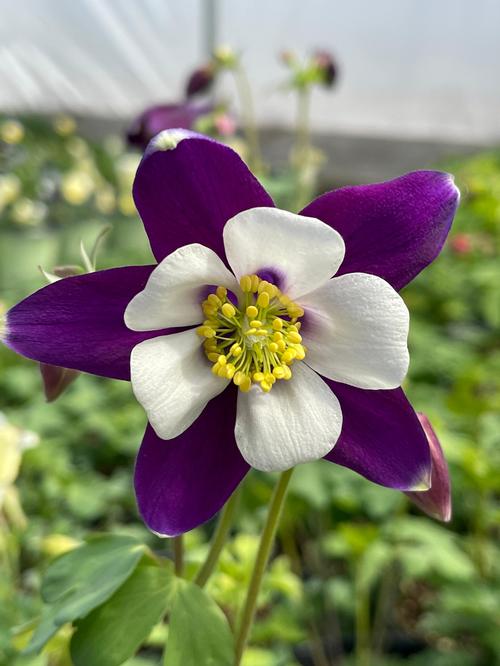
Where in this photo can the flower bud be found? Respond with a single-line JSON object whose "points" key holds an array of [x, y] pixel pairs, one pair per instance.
{"points": [[166, 116], [436, 501], [327, 67], [200, 81]]}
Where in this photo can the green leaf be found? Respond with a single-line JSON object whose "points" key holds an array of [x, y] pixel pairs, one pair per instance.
{"points": [[199, 633], [113, 632], [79, 581]]}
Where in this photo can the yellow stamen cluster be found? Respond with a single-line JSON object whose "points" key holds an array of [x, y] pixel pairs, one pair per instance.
{"points": [[256, 341]]}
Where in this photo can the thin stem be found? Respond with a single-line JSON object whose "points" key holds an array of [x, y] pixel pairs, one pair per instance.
{"points": [[263, 553], [249, 120], [362, 619], [302, 139], [218, 540], [179, 555]]}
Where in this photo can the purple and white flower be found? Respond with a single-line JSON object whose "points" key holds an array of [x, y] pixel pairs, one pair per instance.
{"points": [[261, 338]]}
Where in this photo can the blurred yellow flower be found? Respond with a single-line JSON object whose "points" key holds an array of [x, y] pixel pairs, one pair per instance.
{"points": [[28, 212], [11, 131], [64, 125], [126, 204], [77, 186], [77, 147], [56, 544], [10, 186], [105, 200]]}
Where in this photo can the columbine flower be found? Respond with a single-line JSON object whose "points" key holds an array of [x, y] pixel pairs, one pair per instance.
{"points": [[262, 337]]}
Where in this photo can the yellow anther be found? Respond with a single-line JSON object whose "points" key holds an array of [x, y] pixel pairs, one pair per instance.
{"points": [[295, 311], [288, 372], [206, 331], [293, 327], [246, 384], [279, 372], [278, 324], [230, 370], [273, 347], [238, 351], [212, 323], [222, 371], [294, 337], [221, 292], [269, 378], [238, 377], [214, 300], [281, 345], [262, 286], [215, 368], [251, 311], [298, 325], [222, 360], [228, 310], [277, 336], [258, 376], [255, 282], [263, 299], [284, 300], [213, 356], [261, 332], [251, 331], [288, 356], [246, 283], [265, 386], [209, 310], [272, 290], [301, 352], [255, 323]]}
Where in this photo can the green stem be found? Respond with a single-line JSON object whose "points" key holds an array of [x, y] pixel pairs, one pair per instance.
{"points": [[249, 120], [179, 555], [218, 540], [302, 140], [263, 553], [362, 649]]}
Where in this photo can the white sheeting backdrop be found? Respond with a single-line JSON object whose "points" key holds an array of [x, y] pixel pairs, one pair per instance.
{"points": [[417, 68]]}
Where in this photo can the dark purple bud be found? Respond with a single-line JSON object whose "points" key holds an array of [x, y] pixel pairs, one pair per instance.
{"points": [[436, 501], [56, 380], [166, 116], [200, 81], [326, 65]]}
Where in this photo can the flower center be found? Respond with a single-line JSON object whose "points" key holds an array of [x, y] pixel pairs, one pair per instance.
{"points": [[256, 341]]}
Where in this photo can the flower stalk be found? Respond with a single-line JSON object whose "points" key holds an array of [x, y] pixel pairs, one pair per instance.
{"points": [[179, 555], [263, 554], [218, 540]]}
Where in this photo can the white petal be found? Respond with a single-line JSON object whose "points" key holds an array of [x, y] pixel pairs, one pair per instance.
{"points": [[173, 293], [297, 421], [171, 378], [303, 251], [356, 330]]}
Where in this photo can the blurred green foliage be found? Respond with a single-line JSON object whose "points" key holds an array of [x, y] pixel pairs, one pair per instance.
{"points": [[354, 560]]}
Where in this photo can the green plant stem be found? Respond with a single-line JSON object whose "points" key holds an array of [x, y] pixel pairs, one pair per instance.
{"points": [[179, 555], [302, 139], [261, 560], [362, 619], [249, 120], [218, 540]]}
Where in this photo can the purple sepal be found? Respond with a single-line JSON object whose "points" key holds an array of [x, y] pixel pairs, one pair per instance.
{"points": [[392, 229], [436, 501], [182, 483], [78, 322], [187, 187], [381, 438]]}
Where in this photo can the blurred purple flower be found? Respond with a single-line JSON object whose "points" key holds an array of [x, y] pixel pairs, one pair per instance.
{"points": [[436, 501], [162, 117]]}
